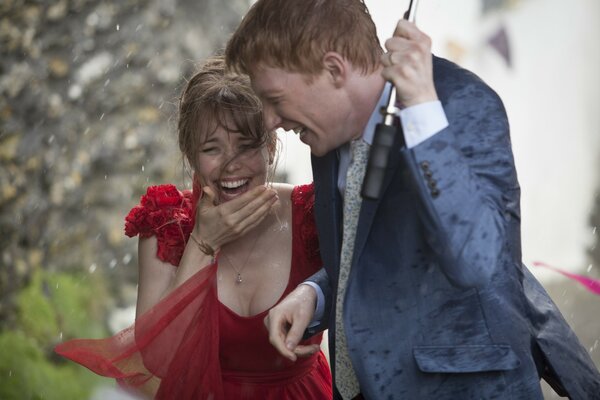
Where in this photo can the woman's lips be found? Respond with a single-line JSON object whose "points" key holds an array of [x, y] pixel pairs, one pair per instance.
{"points": [[232, 188]]}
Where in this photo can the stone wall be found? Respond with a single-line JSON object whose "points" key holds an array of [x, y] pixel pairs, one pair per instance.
{"points": [[88, 91]]}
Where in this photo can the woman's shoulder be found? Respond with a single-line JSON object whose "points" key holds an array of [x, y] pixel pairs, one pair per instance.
{"points": [[162, 204], [301, 196], [304, 196], [305, 229], [167, 213]]}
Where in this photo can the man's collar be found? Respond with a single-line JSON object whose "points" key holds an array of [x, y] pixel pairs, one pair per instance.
{"points": [[376, 114]]}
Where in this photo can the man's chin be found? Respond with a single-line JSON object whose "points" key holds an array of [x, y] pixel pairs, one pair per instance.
{"points": [[317, 151]]}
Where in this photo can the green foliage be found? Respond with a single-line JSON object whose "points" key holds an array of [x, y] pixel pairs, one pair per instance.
{"points": [[51, 307], [26, 373], [37, 317], [79, 303]]}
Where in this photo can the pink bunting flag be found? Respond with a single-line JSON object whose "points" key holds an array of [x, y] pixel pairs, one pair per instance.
{"points": [[593, 285]]}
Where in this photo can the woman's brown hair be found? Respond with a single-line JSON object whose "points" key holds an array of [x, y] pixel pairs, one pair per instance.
{"points": [[213, 98]]}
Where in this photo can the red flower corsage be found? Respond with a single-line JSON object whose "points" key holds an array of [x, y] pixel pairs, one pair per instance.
{"points": [[166, 213]]}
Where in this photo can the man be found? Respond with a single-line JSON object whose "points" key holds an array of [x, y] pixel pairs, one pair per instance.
{"points": [[433, 301]]}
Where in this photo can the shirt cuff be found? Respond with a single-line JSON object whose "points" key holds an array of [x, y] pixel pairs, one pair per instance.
{"points": [[422, 121], [320, 307]]}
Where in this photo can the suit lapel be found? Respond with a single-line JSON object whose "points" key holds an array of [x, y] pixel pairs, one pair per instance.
{"points": [[328, 205], [369, 207], [328, 209]]}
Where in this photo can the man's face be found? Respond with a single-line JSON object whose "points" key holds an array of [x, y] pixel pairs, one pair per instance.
{"points": [[314, 107]]}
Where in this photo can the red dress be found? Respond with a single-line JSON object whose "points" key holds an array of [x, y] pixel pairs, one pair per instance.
{"points": [[191, 346]]}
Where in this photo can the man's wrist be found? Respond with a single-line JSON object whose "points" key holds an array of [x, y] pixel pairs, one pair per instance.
{"points": [[422, 121], [319, 302]]}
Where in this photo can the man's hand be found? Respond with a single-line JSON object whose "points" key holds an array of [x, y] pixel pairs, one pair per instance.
{"points": [[408, 65], [288, 320]]}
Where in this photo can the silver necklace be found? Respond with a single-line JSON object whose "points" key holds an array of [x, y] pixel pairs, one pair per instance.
{"points": [[238, 278]]}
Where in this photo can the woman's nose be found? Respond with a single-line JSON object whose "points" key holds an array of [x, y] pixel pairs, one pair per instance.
{"points": [[232, 162]]}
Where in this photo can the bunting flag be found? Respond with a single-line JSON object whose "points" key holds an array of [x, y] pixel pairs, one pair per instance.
{"points": [[488, 6], [591, 284], [499, 42]]}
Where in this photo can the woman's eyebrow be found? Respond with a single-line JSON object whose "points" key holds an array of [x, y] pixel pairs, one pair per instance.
{"points": [[210, 140]]}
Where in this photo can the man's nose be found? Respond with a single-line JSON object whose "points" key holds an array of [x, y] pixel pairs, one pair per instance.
{"points": [[272, 120]]}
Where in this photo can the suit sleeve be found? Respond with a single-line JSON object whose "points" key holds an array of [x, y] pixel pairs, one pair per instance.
{"points": [[465, 182], [321, 279]]}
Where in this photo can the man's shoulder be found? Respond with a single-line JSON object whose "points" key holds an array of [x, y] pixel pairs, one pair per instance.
{"points": [[444, 69], [450, 77]]}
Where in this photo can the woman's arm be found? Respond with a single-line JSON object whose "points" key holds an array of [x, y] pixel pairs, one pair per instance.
{"points": [[157, 278], [154, 275]]}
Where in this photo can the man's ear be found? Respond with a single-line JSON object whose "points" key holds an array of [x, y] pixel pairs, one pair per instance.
{"points": [[337, 68]]}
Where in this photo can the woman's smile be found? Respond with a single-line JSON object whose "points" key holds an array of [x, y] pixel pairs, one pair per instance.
{"points": [[230, 188]]}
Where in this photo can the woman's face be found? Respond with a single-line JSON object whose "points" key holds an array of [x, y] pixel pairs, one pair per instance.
{"points": [[228, 163]]}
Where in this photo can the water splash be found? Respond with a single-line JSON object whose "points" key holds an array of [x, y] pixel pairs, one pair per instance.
{"points": [[127, 258]]}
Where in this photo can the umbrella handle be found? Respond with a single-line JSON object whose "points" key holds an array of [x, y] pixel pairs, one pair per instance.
{"points": [[384, 136]]}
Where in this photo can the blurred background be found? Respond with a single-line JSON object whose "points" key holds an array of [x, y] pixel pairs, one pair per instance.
{"points": [[88, 94]]}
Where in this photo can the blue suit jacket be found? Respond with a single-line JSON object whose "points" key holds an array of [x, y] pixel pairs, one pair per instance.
{"points": [[438, 304]]}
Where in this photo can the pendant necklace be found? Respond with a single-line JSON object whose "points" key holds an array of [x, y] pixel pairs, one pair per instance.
{"points": [[238, 277]]}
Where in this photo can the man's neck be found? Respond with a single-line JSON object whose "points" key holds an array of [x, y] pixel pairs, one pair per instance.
{"points": [[368, 90]]}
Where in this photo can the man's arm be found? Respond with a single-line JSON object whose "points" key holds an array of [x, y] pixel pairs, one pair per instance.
{"points": [[288, 321], [320, 283], [464, 176], [465, 181]]}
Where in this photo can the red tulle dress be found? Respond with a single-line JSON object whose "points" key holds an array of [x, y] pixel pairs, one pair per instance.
{"points": [[189, 345]]}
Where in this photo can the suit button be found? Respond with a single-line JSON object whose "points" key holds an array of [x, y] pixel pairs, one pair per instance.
{"points": [[432, 184], [435, 193], [425, 165], [428, 173]]}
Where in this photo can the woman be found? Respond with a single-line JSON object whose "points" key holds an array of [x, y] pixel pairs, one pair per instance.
{"points": [[212, 262]]}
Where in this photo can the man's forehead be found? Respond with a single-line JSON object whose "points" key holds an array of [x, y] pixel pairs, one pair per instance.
{"points": [[268, 80], [265, 79]]}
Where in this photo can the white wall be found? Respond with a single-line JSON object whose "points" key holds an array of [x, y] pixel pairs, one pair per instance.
{"points": [[551, 93]]}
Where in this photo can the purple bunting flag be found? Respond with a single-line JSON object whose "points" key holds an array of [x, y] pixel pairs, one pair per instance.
{"points": [[499, 42]]}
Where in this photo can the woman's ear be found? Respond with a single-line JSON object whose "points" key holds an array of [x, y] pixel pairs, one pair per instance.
{"points": [[337, 68]]}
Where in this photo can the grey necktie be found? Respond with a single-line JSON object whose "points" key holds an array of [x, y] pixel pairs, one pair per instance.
{"points": [[345, 377]]}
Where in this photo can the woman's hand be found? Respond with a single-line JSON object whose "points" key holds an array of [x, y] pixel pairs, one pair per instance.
{"points": [[218, 225]]}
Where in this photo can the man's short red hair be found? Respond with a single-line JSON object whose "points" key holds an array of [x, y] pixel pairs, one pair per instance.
{"points": [[295, 35]]}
